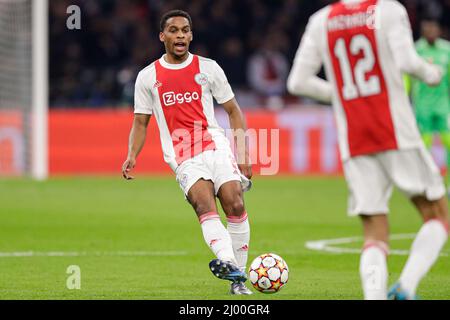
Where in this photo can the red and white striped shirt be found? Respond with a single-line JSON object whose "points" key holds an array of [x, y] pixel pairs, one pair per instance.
{"points": [[364, 46], [180, 96]]}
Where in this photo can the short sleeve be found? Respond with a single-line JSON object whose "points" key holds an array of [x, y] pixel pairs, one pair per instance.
{"points": [[142, 96], [220, 88]]}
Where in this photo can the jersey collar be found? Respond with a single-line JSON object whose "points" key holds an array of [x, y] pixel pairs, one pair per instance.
{"points": [[176, 66]]}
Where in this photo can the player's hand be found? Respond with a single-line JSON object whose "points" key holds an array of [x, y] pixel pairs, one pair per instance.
{"points": [[246, 170], [434, 76], [127, 166]]}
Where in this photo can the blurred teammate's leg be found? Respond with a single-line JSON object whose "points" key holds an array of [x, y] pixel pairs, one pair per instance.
{"points": [[427, 244], [373, 264], [415, 173], [370, 190]]}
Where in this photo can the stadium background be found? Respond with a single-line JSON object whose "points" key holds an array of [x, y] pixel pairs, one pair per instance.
{"points": [[92, 74], [130, 238]]}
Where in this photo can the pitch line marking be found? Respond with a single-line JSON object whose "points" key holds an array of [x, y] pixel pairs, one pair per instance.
{"points": [[329, 245], [24, 254]]}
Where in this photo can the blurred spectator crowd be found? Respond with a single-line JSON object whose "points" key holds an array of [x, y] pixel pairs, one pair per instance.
{"points": [[253, 40]]}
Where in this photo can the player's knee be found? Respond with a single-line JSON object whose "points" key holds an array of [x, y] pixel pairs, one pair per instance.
{"points": [[202, 208], [432, 209], [235, 208]]}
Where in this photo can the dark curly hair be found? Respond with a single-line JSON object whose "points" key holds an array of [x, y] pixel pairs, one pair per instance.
{"points": [[171, 14]]}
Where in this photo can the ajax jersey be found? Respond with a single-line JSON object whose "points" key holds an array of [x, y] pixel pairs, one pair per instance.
{"points": [[355, 42], [359, 80], [180, 96]]}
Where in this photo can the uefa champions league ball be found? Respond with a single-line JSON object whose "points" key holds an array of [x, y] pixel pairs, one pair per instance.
{"points": [[268, 273]]}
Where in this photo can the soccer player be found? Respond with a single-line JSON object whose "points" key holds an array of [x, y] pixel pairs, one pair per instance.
{"points": [[432, 104], [365, 47], [178, 89]]}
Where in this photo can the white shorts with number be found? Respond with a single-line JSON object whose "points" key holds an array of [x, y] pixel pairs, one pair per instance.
{"points": [[218, 165], [370, 179]]}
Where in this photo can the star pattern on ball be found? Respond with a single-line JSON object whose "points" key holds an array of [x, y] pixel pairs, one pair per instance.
{"points": [[281, 265], [276, 284], [262, 272], [268, 273]]}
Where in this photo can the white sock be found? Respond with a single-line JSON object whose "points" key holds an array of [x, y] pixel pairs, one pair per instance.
{"points": [[217, 237], [424, 253], [373, 270], [239, 230]]}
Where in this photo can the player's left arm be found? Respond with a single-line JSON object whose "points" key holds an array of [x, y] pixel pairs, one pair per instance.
{"points": [[222, 92], [303, 79], [239, 127]]}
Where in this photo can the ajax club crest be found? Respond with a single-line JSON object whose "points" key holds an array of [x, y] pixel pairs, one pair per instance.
{"points": [[201, 79]]}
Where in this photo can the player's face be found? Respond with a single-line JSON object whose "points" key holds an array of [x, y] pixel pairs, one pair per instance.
{"points": [[430, 31], [177, 36]]}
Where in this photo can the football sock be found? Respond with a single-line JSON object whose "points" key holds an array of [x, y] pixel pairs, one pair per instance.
{"points": [[239, 230], [424, 253], [217, 237], [373, 270]]}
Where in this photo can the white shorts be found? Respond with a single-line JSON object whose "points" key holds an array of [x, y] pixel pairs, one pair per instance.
{"points": [[370, 179], [218, 165]]}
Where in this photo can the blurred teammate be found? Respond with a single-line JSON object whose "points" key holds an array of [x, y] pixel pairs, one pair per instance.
{"points": [[432, 104], [365, 46], [178, 89]]}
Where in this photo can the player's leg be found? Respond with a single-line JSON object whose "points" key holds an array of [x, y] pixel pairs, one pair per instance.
{"points": [[370, 190], [415, 174], [201, 197], [427, 245], [373, 262], [227, 183], [231, 199]]}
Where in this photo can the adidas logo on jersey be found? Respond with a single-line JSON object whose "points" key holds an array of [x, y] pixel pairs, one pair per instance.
{"points": [[171, 98], [157, 84]]}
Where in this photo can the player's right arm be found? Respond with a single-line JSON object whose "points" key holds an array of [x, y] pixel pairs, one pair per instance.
{"points": [[138, 133], [400, 39], [135, 143]]}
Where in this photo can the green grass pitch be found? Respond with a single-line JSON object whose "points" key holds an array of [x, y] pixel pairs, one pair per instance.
{"points": [[99, 218]]}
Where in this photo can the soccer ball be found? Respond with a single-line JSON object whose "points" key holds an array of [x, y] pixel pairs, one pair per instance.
{"points": [[268, 273]]}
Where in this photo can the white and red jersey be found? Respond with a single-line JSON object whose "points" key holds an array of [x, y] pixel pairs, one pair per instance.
{"points": [[364, 46], [180, 96]]}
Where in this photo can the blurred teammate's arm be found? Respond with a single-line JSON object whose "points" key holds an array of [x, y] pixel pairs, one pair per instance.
{"points": [[142, 114], [303, 79], [401, 42]]}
